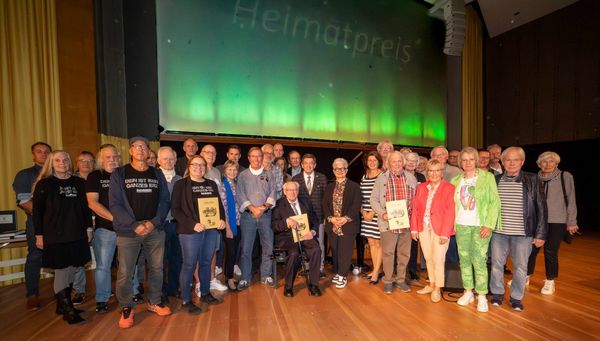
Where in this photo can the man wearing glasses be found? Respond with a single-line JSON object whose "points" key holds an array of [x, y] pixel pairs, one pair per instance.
{"points": [[139, 202]]}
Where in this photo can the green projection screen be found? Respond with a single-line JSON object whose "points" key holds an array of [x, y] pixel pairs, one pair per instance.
{"points": [[337, 70]]}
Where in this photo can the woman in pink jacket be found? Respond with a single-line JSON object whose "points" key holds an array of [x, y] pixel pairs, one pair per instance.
{"points": [[432, 222]]}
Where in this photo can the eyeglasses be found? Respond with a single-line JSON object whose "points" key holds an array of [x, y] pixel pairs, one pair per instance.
{"points": [[197, 165], [434, 170], [86, 161], [340, 169], [209, 153], [139, 147]]}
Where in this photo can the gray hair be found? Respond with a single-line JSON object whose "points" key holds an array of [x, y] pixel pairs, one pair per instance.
{"points": [[412, 156], [469, 150], [166, 149], [292, 182], [384, 142], [340, 160], [548, 155], [439, 147], [513, 149], [390, 157]]}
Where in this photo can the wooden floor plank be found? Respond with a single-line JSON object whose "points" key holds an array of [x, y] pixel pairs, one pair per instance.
{"points": [[358, 312]]}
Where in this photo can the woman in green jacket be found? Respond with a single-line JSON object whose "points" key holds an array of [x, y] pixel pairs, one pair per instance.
{"points": [[477, 210]]}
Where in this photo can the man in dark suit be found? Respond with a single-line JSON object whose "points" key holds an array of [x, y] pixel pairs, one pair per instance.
{"points": [[312, 186], [284, 226]]}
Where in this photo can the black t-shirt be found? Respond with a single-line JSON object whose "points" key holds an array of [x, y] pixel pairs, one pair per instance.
{"points": [[60, 210], [142, 192], [98, 181], [206, 189]]}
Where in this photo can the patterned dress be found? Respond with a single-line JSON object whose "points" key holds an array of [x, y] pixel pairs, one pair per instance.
{"points": [[368, 229]]}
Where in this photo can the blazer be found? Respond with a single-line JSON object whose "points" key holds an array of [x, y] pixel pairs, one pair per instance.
{"points": [[441, 211], [316, 195], [378, 196], [351, 205], [283, 210]]}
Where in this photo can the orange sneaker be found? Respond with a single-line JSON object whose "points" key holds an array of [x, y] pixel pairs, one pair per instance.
{"points": [[126, 320], [160, 309]]}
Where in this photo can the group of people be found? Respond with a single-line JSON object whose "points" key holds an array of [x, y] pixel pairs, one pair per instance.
{"points": [[185, 220]]}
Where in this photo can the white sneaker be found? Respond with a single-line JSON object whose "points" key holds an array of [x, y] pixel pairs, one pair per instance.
{"points": [[482, 304], [548, 288], [218, 270], [526, 281], [197, 290], [466, 299], [336, 279], [236, 270], [215, 284], [342, 281]]}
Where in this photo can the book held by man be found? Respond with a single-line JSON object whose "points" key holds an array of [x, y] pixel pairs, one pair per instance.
{"points": [[397, 214], [303, 228]]}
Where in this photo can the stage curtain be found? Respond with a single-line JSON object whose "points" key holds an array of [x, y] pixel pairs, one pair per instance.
{"points": [[472, 82], [29, 96]]}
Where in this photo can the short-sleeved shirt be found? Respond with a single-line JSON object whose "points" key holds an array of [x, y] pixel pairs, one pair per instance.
{"points": [[22, 185], [98, 181], [142, 192]]}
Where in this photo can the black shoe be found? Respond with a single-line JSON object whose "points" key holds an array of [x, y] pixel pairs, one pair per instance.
{"points": [[164, 299], [413, 275], [313, 290], [59, 310], [138, 298], [366, 276], [191, 308], [141, 288], [101, 307], [322, 274], [288, 292], [66, 307], [78, 298], [374, 282], [209, 299]]}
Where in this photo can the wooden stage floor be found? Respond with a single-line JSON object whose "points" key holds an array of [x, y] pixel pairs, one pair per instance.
{"points": [[357, 312]]}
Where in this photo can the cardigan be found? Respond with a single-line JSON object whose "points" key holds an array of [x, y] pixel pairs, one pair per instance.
{"points": [[182, 205], [486, 198]]}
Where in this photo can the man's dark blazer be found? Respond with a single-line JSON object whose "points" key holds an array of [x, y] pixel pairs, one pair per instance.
{"points": [[283, 210], [316, 196]]}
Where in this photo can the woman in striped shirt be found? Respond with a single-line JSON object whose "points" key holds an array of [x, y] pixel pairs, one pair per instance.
{"points": [[368, 221]]}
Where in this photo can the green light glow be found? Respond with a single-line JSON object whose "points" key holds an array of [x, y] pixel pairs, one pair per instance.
{"points": [[238, 67]]}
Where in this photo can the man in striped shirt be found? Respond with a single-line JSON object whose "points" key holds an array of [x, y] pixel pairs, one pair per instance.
{"points": [[522, 222]]}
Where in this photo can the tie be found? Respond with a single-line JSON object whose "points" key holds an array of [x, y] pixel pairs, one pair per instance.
{"points": [[296, 211], [309, 185]]}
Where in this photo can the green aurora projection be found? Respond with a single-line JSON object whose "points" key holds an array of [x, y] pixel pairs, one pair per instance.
{"points": [[331, 70]]}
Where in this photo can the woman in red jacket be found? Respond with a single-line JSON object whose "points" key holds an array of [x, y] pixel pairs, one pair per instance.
{"points": [[432, 222]]}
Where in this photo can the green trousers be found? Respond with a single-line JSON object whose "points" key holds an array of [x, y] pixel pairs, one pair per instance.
{"points": [[472, 253]]}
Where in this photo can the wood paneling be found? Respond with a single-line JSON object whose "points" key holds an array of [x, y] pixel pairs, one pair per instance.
{"points": [[358, 312], [543, 79], [77, 73]]}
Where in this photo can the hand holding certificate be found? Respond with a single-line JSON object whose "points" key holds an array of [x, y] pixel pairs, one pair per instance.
{"points": [[208, 211], [302, 228], [397, 214]]}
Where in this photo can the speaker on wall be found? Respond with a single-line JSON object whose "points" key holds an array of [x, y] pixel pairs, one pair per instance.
{"points": [[453, 14]]}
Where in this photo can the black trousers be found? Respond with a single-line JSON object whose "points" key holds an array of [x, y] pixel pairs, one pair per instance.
{"points": [[232, 246], [360, 250], [342, 248], [555, 236], [313, 253]]}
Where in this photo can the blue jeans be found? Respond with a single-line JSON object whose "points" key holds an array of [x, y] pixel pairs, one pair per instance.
{"points": [[33, 263], [153, 247], [520, 249], [79, 280], [249, 226], [452, 254], [104, 244], [196, 248], [172, 260]]}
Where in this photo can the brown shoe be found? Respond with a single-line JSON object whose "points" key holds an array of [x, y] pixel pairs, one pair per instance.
{"points": [[33, 302]]}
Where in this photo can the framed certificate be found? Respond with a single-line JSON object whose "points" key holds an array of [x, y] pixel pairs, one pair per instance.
{"points": [[397, 214], [208, 211], [303, 227]]}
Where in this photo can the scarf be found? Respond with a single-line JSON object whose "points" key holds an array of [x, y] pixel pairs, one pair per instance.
{"points": [[231, 211]]}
